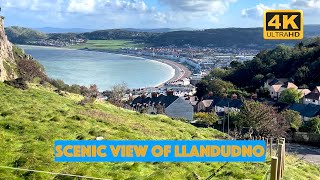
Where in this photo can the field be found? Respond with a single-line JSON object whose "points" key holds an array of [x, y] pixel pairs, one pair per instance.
{"points": [[107, 45], [32, 119]]}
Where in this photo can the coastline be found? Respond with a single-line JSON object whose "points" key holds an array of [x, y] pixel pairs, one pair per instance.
{"points": [[180, 71]]}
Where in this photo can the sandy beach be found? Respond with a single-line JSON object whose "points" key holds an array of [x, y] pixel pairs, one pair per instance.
{"points": [[180, 70]]}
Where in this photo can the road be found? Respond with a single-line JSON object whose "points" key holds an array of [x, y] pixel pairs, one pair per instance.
{"points": [[309, 153]]}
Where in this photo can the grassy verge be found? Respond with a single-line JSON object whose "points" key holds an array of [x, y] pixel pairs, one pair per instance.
{"points": [[106, 45], [31, 120]]}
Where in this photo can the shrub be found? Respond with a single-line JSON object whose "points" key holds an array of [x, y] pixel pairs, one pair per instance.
{"points": [[293, 118], [315, 125], [30, 69], [17, 83], [86, 100], [207, 119]]}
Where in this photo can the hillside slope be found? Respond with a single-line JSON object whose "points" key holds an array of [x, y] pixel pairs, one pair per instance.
{"points": [[21, 35], [300, 63], [223, 37], [30, 121]]}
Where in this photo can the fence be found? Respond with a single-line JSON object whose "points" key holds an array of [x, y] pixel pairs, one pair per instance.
{"points": [[276, 170]]}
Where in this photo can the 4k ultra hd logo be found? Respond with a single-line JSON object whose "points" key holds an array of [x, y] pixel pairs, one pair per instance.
{"points": [[283, 24]]}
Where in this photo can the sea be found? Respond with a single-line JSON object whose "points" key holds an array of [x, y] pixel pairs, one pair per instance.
{"points": [[100, 68]]}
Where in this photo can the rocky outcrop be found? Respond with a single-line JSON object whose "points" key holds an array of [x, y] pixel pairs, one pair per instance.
{"points": [[8, 64]]}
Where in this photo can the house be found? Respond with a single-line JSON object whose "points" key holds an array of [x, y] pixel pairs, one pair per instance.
{"points": [[304, 92], [193, 100], [226, 104], [204, 105], [276, 86], [306, 111], [313, 97], [172, 106]]}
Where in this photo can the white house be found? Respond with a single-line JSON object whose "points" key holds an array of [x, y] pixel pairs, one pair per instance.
{"points": [[276, 86], [313, 97]]}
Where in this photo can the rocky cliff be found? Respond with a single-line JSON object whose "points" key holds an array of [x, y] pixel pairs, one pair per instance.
{"points": [[8, 64]]}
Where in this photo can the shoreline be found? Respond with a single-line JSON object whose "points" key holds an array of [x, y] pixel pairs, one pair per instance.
{"points": [[180, 71]]}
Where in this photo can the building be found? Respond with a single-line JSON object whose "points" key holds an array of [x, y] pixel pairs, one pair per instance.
{"points": [[204, 105], [306, 111], [313, 97], [276, 86], [172, 106]]}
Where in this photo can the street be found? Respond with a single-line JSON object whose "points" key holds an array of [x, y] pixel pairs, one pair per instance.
{"points": [[309, 153]]}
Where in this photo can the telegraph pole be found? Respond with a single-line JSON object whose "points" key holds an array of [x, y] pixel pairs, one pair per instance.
{"points": [[228, 119]]}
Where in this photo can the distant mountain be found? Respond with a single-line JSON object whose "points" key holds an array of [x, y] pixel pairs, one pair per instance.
{"points": [[63, 30], [226, 37], [111, 34], [159, 30], [223, 37]]}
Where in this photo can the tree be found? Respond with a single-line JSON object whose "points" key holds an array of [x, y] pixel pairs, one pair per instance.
{"points": [[202, 89], [263, 118], [235, 64], [293, 118], [257, 80], [315, 125], [117, 93], [218, 73], [290, 96], [207, 119], [219, 86]]}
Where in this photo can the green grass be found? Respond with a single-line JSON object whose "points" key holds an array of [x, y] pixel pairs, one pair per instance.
{"points": [[107, 45], [31, 120]]}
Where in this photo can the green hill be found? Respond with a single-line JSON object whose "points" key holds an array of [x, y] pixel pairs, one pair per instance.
{"points": [[21, 35], [223, 37], [30, 121], [300, 63]]}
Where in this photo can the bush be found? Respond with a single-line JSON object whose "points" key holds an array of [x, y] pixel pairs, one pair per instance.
{"points": [[315, 125], [293, 118], [207, 119], [86, 100], [17, 83], [30, 69]]}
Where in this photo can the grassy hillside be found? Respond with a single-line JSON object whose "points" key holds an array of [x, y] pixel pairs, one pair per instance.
{"points": [[32, 119], [21, 35], [107, 45]]}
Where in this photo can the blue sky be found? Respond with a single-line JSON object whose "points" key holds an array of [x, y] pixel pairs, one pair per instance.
{"points": [[105, 14]]}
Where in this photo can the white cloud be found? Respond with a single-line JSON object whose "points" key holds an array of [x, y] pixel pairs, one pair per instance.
{"points": [[254, 12], [81, 6], [194, 11], [310, 7], [118, 13], [199, 6]]}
